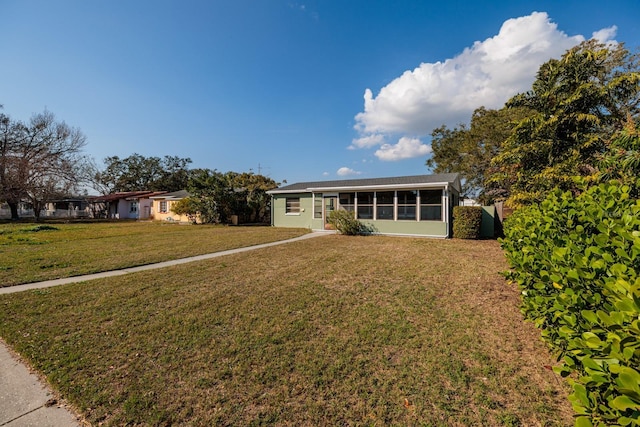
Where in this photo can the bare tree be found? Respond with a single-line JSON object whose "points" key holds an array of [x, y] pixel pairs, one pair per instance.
{"points": [[39, 161]]}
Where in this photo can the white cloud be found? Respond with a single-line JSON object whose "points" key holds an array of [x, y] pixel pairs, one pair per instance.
{"points": [[345, 171], [367, 141], [406, 148], [605, 35], [486, 74]]}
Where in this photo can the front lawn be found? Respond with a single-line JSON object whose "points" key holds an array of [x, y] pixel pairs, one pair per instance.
{"points": [[36, 252], [330, 331]]}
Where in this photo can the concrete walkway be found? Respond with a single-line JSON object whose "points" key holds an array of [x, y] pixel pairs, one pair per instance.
{"points": [[24, 399]]}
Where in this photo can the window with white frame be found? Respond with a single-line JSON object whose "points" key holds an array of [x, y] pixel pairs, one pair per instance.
{"points": [[133, 207], [384, 204], [317, 205], [365, 205], [292, 205], [163, 207], [430, 205], [407, 204]]}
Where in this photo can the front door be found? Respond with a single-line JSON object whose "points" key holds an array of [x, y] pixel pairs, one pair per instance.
{"points": [[330, 204]]}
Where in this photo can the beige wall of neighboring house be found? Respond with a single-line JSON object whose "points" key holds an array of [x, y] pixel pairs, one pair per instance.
{"points": [[162, 205]]}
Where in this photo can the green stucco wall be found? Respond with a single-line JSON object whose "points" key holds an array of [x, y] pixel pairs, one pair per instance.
{"points": [[419, 228], [302, 220]]}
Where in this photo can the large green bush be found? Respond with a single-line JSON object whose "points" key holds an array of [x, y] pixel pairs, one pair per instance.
{"points": [[576, 260], [346, 223], [466, 222]]}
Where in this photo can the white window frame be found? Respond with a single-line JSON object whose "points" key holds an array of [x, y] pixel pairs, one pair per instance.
{"points": [[291, 210], [317, 209]]}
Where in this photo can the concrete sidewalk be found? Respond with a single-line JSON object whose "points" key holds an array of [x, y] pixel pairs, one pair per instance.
{"points": [[27, 401]]}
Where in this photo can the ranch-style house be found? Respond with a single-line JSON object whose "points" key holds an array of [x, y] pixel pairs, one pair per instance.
{"points": [[419, 205]]}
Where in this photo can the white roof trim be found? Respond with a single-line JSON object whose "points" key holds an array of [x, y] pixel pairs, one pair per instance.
{"points": [[364, 188], [383, 187]]}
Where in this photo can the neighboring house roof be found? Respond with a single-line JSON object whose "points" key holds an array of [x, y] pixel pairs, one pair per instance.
{"points": [[72, 199], [175, 195], [452, 179], [127, 195]]}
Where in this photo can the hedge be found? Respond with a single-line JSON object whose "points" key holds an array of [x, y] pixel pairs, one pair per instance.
{"points": [[576, 260], [466, 222], [346, 223]]}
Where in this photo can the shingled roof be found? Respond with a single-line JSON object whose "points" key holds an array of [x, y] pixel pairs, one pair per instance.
{"points": [[175, 195], [127, 195], [370, 183]]}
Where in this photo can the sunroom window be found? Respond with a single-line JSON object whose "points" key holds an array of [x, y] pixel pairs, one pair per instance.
{"points": [[430, 205], [347, 201], [384, 205], [365, 205], [407, 203]]}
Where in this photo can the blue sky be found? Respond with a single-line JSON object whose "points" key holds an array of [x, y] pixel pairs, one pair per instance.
{"points": [[297, 90]]}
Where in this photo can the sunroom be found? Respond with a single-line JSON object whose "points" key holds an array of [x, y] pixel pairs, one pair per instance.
{"points": [[410, 205]]}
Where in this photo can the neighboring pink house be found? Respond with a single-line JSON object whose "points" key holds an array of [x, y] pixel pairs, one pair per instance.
{"points": [[125, 205]]}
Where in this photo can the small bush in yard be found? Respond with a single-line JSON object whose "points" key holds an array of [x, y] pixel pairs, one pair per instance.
{"points": [[466, 222], [346, 223], [576, 261]]}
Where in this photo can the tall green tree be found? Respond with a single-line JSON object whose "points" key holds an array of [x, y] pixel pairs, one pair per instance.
{"points": [[211, 196], [216, 196], [252, 201], [578, 102], [621, 160], [469, 150], [140, 173]]}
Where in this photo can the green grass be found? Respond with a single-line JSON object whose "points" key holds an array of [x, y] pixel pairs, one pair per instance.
{"points": [[330, 331], [31, 253]]}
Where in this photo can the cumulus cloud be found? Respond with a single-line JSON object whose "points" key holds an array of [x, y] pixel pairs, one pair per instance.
{"points": [[367, 141], [486, 74], [405, 148], [605, 35], [345, 171]]}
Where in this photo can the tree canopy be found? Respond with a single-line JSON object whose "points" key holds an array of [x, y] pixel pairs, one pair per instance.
{"points": [[578, 103], [541, 139], [621, 160], [469, 150], [216, 196], [139, 173]]}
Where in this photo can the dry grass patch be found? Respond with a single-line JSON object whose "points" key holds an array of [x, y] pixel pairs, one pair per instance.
{"points": [[330, 331], [32, 252]]}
